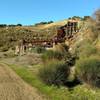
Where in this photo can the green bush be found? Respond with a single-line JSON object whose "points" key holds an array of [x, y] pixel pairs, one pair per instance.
{"points": [[86, 49], [51, 55], [54, 73], [39, 49], [88, 70]]}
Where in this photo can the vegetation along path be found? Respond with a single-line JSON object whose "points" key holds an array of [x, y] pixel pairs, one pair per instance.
{"points": [[12, 87]]}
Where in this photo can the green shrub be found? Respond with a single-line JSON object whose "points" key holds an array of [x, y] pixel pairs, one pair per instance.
{"points": [[39, 49], [88, 70], [54, 73], [49, 55], [64, 56], [60, 53], [86, 49]]}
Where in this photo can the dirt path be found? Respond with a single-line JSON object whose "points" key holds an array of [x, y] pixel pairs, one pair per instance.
{"points": [[12, 87]]}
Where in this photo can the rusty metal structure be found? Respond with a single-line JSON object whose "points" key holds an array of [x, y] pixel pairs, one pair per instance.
{"points": [[64, 32]]}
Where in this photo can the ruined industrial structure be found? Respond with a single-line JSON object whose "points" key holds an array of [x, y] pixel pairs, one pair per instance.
{"points": [[64, 32]]}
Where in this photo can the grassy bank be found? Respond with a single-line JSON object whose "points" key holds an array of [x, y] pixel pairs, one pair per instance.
{"points": [[80, 92], [50, 91]]}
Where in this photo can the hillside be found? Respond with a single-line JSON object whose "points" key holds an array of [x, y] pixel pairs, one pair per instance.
{"points": [[10, 36], [89, 33], [68, 72], [46, 26]]}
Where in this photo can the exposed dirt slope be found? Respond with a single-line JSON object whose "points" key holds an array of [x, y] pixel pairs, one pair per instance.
{"points": [[12, 87]]}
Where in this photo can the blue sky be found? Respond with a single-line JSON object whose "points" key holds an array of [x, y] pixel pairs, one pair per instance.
{"points": [[32, 11]]}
